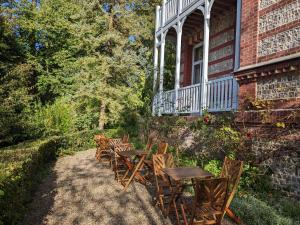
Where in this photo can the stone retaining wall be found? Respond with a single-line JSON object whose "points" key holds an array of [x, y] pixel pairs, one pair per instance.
{"points": [[275, 150]]}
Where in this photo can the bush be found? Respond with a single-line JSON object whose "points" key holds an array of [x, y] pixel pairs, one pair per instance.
{"points": [[18, 169], [22, 164], [78, 141], [54, 119], [256, 212]]}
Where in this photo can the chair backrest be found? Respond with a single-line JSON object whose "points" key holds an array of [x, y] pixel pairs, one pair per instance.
{"points": [[211, 193], [103, 143], [125, 138], [98, 136], [232, 169], [123, 147], [161, 161], [162, 148], [149, 146]]}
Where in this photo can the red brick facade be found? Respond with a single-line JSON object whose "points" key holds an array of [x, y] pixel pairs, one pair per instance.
{"points": [[269, 62], [249, 27]]}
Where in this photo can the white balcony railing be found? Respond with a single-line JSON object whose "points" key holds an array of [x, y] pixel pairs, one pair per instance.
{"points": [[222, 95], [171, 8]]}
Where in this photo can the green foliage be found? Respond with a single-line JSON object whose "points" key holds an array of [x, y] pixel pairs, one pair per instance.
{"points": [[22, 167], [256, 212], [19, 169], [214, 167], [54, 119], [64, 61]]}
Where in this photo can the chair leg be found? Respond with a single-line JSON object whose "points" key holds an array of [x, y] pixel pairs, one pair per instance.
{"points": [[176, 212], [183, 214], [232, 216]]}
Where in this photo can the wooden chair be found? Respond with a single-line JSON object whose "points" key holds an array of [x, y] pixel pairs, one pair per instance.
{"points": [[114, 143], [161, 149], [163, 187], [119, 166], [103, 152], [125, 138], [208, 205], [232, 169]]}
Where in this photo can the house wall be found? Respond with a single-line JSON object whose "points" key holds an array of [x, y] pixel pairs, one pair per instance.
{"points": [[270, 50], [221, 53]]}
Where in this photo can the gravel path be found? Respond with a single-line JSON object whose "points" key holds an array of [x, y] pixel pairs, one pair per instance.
{"points": [[81, 191]]}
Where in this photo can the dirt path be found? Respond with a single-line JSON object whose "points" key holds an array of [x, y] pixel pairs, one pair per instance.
{"points": [[81, 191]]}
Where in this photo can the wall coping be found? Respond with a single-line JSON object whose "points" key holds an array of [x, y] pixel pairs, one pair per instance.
{"points": [[273, 61]]}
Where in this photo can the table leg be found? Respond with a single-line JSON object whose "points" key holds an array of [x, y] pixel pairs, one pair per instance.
{"points": [[138, 166], [129, 166]]}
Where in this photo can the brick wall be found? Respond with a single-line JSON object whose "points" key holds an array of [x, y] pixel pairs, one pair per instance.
{"points": [[270, 29], [249, 23]]}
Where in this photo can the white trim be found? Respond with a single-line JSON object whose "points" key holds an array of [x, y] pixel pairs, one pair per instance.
{"points": [[199, 62], [185, 12], [273, 61], [238, 35]]}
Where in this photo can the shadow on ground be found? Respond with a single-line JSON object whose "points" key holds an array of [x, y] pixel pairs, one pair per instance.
{"points": [[79, 190]]}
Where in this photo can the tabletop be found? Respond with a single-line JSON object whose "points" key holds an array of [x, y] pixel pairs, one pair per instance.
{"points": [[132, 153], [182, 173]]}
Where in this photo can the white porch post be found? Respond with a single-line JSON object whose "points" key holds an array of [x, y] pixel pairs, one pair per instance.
{"points": [[161, 73], [155, 57], [207, 8], [156, 49], [178, 61]]}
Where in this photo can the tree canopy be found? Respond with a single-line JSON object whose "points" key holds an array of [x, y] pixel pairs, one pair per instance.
{"points": [[73, 65]]}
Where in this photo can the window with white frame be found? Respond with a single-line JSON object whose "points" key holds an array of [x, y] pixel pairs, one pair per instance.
{"points": [[197, 63]]}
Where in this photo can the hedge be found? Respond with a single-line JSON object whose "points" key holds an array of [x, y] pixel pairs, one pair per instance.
{"points": [[21, 165], [18, 176], [253, 211]]}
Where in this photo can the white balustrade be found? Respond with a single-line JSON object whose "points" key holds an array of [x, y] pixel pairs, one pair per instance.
{"points": [[171, 9], [189, 99], [222, 95], [187, 3], [168, 102], [160, 18]]}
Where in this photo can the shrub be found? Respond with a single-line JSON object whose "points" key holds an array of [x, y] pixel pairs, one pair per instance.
{"points": [[78, 141], [256, 212], [214, 167], [18, 169], [54, 119]]}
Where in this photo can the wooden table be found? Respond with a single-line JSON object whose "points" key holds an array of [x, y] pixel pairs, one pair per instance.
{"points": [[183, 173], [133, 167], [179, 175]]}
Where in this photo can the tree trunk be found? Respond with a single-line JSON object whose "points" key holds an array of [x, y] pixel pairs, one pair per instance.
{"points": [[102, 116]]}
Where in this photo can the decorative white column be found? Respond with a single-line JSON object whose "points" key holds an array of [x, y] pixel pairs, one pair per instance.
{"points": [[156, 43], [179, 7], [161, 73], [156, 48], [163, 13], [207, 8], [178, 61]]}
